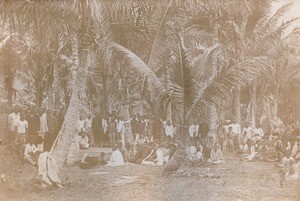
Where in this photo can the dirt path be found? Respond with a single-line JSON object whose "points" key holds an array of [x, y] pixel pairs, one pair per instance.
{"points": [[234, 180]]}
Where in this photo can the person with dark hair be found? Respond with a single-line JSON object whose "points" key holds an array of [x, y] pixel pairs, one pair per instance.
{"points": [[97, 128], [31, 153], [33, 123], [13, 117], [116, 158]]}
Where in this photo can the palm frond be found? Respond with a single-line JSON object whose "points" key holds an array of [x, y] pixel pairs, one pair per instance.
{"points": [[180, 74], [139, 66], [217, 89]]}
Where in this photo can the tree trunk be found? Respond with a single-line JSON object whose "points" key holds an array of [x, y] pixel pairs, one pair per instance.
{"points": [[237, 105], [253, 103], [66, 136], [212, 114], [297, 106], [56, 86]]}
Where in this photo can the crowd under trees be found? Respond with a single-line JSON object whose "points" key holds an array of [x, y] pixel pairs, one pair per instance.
{"points": [[194, 60]]}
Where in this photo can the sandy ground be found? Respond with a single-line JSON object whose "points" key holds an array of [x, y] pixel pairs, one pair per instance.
{"points": [[234, 180]]}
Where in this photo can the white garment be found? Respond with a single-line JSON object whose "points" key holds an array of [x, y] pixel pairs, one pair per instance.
{"points": [[169, 130], [104, 125], [48, 170], [21, 126], [258, 132], [193, 130], [88, 123], [29, 148], [248, 133], [80, 125], [236, 129], [120, 125], [43, 123], [294, 150], [116, 159], [160, 157], [12, 121]]}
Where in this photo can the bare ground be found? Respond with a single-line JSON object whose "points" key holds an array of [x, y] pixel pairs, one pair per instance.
{"points": [[234, 180]]}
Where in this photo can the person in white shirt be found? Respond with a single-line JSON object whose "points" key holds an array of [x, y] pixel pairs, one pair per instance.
{"points": [[21, 128], [116, 158], [80, 127], [31, 153], [11, 124], [88, 129], [120, 125], [236, 130], [193, 131], [258, 133], [169, 129]]}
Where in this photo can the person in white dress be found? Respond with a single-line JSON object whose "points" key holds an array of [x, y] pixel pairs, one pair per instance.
{"points": [[116, 158]]}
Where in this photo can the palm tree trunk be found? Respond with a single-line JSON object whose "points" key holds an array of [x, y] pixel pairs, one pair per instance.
{"points": [[67, 134], [237, 105], [253, 103], [212, 114], [56, 87]]}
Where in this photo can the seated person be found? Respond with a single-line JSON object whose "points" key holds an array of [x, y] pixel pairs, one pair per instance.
{"points": [[39, 143], [290, 169], [116, 158], [191, 152], [31, 153], [122, 150], [83, 141], [244, 150], [48, 173], [89, 160], [216, 155], [199, 155], [252, 154]]}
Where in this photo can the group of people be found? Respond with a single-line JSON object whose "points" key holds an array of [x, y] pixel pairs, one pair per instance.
{"points": [[154, 140], [34, 124], [98, 130]]}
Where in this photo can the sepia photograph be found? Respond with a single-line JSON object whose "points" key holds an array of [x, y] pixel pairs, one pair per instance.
{"points": [[149, 100]]}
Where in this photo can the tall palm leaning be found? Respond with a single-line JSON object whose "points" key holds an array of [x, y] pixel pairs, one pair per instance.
{"points": [[184, 90]]}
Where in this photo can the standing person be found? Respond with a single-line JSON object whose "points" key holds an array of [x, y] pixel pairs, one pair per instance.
{"points": [[236, 130], [88, 129], [21, 129], [13, 117], [104, 133], [247, 133], [80, 124], [169, 130], [223, 139], [43, 123], [148, 129], [134, 125], [193, 131], [120, 124], [52, 126], [258, 134], [112, 129], [33, 120], [97, 128]]}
